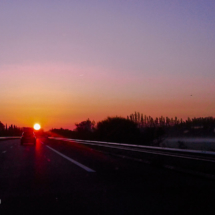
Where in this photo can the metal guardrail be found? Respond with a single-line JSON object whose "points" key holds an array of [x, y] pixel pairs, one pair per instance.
{"points": [[6, 138], [189, 161], [133, 146]]}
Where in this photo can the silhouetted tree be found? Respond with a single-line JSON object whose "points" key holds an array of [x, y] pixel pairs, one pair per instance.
{"points": [[1, 126], [142, 121], [85, 126], [85, 129], [118, 129], [135, 116], [138, 117]]}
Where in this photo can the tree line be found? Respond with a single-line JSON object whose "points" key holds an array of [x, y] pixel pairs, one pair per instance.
{"points": [[112, 129], [139, 129], [135, 128], [148, 121], [11, 130]]}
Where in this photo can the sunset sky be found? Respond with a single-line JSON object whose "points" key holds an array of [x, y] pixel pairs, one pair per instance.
{"points": [[62, 62]]}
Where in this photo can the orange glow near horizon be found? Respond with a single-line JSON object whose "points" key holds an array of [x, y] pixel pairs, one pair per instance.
{"points": [[76, 61], [62, 101]]}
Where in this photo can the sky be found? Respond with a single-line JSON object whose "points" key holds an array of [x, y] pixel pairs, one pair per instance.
{"points": [[64, 61]]}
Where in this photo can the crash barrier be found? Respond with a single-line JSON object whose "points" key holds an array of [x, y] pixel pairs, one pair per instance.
{"points": [[7, 138], [133, 146], [190, 160]]}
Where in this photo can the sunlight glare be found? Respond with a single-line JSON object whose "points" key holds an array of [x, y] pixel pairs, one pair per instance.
{"points": [[37, 126]]}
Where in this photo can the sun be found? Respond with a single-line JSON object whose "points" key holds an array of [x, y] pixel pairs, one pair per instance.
{"points": [[37, 126]]}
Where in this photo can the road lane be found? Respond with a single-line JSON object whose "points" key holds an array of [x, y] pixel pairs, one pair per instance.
{"points": [[6, 144], [38, 179], [24, 167]]}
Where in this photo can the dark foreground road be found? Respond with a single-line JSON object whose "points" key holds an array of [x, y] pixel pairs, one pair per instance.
{"points": [[68, 178]]}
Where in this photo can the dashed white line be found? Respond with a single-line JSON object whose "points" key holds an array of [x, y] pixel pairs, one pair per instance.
{"points": [[71, 160]]}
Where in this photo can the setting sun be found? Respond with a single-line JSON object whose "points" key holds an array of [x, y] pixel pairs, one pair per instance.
{"points": [[37, 126]]}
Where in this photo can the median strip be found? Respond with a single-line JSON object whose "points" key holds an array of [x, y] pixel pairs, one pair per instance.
{"points": [[71, 160]]}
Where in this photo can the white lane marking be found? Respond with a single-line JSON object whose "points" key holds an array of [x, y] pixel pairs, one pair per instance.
{"points": [[71, 160], [4, 152]]}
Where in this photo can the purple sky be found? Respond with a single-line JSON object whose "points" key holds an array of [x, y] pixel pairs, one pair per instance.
{"points": [[62, 62]]}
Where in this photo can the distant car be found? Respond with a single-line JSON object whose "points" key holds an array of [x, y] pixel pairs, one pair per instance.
{"points": [[28, 137]]}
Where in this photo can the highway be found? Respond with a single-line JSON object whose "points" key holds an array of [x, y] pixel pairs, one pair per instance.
{"points": [[57, 177]]}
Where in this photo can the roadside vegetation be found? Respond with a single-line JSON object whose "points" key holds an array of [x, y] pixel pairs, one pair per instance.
{"points": [[11, 130], [134, 129], [139, 129]]}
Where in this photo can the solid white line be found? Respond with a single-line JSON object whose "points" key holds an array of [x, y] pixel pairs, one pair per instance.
{"points": [[3, 151], [71, 160]]}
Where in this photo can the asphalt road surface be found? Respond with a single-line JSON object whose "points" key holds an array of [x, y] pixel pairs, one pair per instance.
{"points": [[56, 177]]}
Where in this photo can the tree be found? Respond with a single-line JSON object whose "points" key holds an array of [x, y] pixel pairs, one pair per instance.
{"points": [[118, 129], [156, 121], [85, 126], [138, 117], [135, 116], [1, 126], [168, 121], [141, 119]]}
